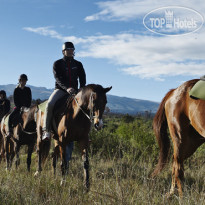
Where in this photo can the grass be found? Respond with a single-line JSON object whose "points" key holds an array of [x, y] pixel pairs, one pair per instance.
{"points": [[113, 181]]}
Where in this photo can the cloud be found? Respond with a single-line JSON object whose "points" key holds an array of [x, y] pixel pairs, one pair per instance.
{"points": [[124, 10], [45, 31], [141, 55]]}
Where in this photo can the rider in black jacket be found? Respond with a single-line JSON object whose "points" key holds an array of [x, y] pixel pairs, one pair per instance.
{"points": [[67, 71], [22, 98], [4, 104]]}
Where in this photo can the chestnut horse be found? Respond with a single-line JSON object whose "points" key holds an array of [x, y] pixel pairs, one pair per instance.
{"points": [[74, 125], [24, 133], [185, 118]]}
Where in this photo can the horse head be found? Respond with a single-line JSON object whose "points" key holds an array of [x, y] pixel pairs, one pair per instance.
{"points": [[97, 100]]}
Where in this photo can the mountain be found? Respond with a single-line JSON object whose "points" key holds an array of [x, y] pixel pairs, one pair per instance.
{"points": [[37, 92], [129, 105], [116, 104]]}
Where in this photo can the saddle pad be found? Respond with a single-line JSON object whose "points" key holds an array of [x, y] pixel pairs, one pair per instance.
{"points": [[42, 106], [6, 120], [198, 90]]}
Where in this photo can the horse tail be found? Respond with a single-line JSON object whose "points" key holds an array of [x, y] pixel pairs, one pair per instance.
{"points": [[45, 150], [160, 129]]}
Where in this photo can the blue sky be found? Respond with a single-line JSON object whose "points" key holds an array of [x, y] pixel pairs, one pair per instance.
{"points": [[110, 39]]}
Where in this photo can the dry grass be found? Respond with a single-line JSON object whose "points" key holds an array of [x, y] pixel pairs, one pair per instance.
{"points": [[113, 181]]}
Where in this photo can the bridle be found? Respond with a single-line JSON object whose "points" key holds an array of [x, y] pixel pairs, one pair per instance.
{"points": [[91, 116]]}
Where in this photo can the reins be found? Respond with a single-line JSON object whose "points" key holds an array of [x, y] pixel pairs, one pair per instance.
{"points": [[29, 133]]}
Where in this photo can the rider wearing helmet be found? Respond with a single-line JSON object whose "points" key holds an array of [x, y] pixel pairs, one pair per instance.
{"points": [[22, 98], [67, 71], [4, 104]]}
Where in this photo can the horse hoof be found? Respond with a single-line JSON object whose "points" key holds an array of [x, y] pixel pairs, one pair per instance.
{"points": [[63, 181], [36, 173], [87, 186], [169, 195]]}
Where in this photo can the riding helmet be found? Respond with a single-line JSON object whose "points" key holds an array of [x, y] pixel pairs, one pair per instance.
{"points": [[2, 92], [68, 45], [23, 76]]}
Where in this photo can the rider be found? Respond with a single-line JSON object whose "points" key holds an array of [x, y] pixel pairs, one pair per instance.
{"points": [[66, 71], [22, 98], [4, 104]]}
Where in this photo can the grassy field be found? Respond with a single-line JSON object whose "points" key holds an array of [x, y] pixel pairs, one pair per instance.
{"points": [[119, 173], [113, 181]]}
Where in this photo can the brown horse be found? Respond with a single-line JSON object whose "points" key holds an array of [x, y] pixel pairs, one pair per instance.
{"points": [[184, 116], [74, 125], [24, 133]]}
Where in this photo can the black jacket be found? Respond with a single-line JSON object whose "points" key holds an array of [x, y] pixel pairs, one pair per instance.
{"points": [[67, 72], [22, 97], [4, 107]]}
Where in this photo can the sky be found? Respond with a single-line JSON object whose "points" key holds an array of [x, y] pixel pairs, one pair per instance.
{"points": [[111, 41]]}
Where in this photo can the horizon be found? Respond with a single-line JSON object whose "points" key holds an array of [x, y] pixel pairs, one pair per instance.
{"points": [[54, 88], [111, 41]]}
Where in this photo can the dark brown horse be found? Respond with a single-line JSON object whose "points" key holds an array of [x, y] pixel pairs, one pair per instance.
{"points": [[185, 118], [24, 133], [74, 125]]}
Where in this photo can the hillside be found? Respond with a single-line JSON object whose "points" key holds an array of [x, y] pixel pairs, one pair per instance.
{"points": [[116, 104]]}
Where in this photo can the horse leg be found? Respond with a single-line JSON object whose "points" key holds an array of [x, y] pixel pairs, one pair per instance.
{"points": [[39, 161], [64, 169], [7, 153], [30, 150], [17, 148], [55, 157], [12, 153], [39, 169], [84, 153], [185, 141], [1, 147]]}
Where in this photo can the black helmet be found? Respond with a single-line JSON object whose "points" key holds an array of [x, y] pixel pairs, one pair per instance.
{"points": [[68, 45], [2, 92], [23, 76]]}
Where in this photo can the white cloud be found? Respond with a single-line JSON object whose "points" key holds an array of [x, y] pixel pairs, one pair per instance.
{"points": [[142, 55], [124, 10]]}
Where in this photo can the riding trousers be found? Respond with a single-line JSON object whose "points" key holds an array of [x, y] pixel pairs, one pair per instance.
{"points": [[48, 115]]}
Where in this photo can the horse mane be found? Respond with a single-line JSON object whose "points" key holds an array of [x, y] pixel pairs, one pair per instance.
{"points": [[191, 83], [94, 87], [31, 111]]}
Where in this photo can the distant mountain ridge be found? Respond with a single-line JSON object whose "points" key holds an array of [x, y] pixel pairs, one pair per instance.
{"points": [[116, 104]]}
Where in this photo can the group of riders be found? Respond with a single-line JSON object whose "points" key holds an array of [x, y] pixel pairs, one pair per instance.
{"points": [[67, 73]]}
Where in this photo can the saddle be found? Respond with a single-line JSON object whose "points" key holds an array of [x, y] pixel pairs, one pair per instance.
{"points": [[198, 90], [60, 108]]}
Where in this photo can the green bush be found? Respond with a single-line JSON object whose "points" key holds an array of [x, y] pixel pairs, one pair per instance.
{"points": [[126, 136]]}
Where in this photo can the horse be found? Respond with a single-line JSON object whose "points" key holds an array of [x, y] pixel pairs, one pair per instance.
{"points": [[74, 125], [24, 133], [184, 116]]}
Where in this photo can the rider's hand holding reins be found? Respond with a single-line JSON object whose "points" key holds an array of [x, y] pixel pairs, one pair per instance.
{"points": [[71, 91]]}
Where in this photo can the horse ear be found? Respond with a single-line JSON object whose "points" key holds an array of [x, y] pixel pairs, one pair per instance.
{"points": [[107, 89]]}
